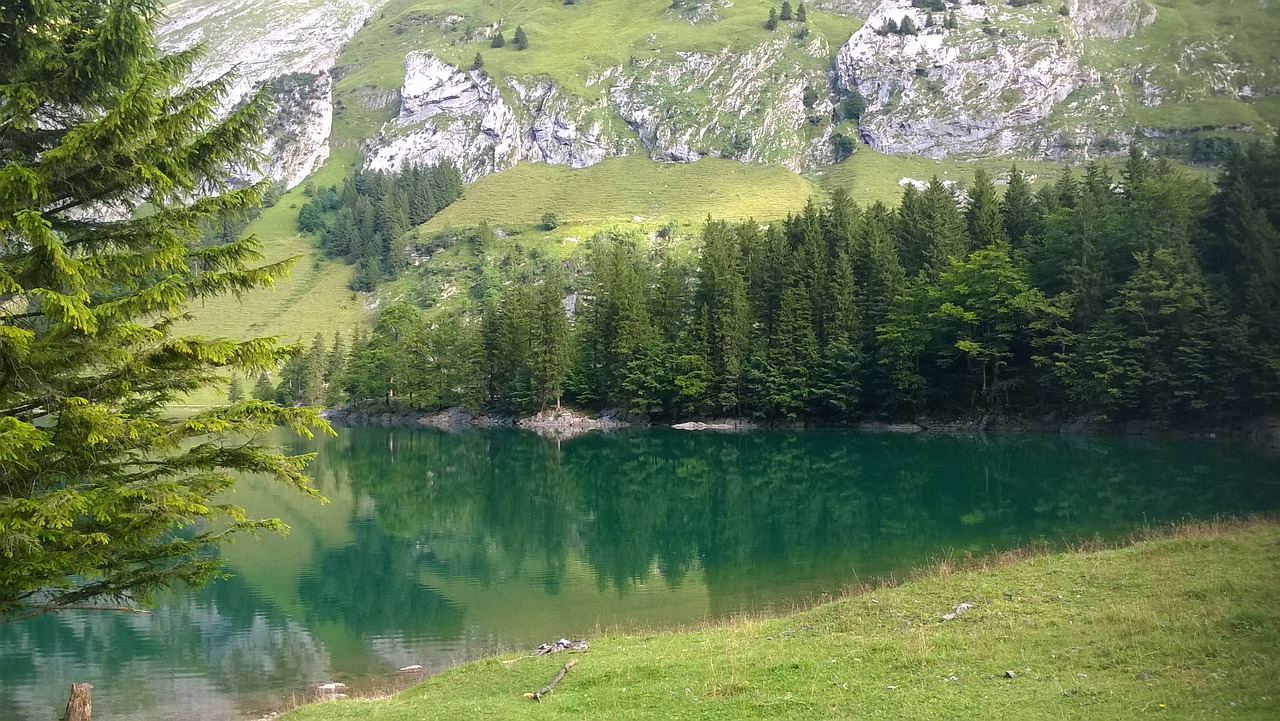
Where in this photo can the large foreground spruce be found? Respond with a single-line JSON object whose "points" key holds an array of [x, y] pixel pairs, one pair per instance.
{"points": [[108, 163]]}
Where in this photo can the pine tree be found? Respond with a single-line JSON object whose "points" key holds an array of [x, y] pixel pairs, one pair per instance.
{"points": [[1018, 209], [521, 40], [262, 388], [786, 11], [96, 479], [235, 389], [551, 344], [982, 214]]}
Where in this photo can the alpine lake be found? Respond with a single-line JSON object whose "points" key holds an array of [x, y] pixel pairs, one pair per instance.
{"points": [[436, 548]]}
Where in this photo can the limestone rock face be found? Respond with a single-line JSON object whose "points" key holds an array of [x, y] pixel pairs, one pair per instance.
{"points": [[745, 105], [448, 114], [565, 129], [968, 90], [1111, 18], [760, 105], [264, 42], [297, 137]]}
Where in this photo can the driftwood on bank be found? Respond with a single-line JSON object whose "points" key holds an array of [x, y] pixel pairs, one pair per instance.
{"points": [[563, 644], [80, 706], [537, 695]]}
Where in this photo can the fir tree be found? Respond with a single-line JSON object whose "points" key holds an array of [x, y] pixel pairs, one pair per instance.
{"points": [[982, 213], [551, 349], [521, 40], [498, 40], [802, 15], [1017, 209], [96, 479], [235, 389], [772, 23], [478, 63], [786, 11], [262, 388]]}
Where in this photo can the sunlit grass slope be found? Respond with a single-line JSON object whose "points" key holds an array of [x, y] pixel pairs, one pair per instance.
{"points": [[626, 188], [1184, 626], [313, 299]]}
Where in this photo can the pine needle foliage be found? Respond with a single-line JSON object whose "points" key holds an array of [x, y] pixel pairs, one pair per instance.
{"points": [[109, 163]]}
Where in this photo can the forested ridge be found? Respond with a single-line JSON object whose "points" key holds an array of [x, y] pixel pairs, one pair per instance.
{"points": [[1145, 293]]}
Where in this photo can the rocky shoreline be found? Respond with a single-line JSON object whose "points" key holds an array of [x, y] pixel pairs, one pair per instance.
{"points": [[565, 423]]}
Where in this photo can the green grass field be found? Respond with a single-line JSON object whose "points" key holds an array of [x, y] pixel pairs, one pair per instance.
{"points": [[626, 188], [1183, 626], [313, 299]]}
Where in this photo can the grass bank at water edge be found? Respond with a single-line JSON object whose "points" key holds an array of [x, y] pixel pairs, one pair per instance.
{"points": [[1183, 624]]}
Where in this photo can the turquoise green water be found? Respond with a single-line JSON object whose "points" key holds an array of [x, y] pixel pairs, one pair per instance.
{"points": [[438, 547]]}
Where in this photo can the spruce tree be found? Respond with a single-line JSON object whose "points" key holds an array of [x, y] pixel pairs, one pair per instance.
{"points": [[786, 11], [498, 40], [1018, 210], [96, 479], [772, 23], [551, 348], [478, 63], [982, 214], [723, 316], [802, 15], [521, 40], [235, 389]]}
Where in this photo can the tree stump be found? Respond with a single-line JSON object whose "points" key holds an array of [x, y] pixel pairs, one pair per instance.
{"points": [[79, 707]]}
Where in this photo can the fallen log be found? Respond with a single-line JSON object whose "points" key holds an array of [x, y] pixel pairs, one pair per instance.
{"points": [[537, 695]]}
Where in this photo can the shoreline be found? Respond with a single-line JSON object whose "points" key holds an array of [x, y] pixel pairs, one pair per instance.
{"points": [[566, 423], [955, 633]]}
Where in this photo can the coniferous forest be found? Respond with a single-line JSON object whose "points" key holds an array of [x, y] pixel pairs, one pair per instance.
{"points": [[1143, 293], [364, 221]]}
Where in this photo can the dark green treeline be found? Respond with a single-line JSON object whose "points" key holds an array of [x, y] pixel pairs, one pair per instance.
{"points": [[366, 220], [1145, 294]]}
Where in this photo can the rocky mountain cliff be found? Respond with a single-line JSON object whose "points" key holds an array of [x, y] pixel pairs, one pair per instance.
{"points": [[288, 45], [1036, 78]]}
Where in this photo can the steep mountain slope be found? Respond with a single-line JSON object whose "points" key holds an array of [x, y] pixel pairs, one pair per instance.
{"points": [[288, 45], [380, 83], [679, 81], [1067, 80]]}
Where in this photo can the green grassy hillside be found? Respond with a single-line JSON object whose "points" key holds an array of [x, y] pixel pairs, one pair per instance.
{"points": [[314, 298], [627, 188], [1183, 626], [1197, 52]]}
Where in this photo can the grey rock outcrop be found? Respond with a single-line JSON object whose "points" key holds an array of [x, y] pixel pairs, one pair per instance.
{"points": [[745, 105], [750, 106], [966, 90], [448, 114], [564, 129], [270, 41], [1110, 18]]}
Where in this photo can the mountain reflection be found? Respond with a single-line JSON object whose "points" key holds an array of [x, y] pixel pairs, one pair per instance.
{"points": [[439, 547]]}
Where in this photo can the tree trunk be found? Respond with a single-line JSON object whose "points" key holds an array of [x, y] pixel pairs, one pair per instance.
{"points": [[79, 707]]}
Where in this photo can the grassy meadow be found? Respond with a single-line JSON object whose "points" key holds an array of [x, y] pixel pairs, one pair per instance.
{"points": [[1181, 625]]}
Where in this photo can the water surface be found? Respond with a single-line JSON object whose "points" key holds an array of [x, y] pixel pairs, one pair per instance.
{"points": [[437, 548]]}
